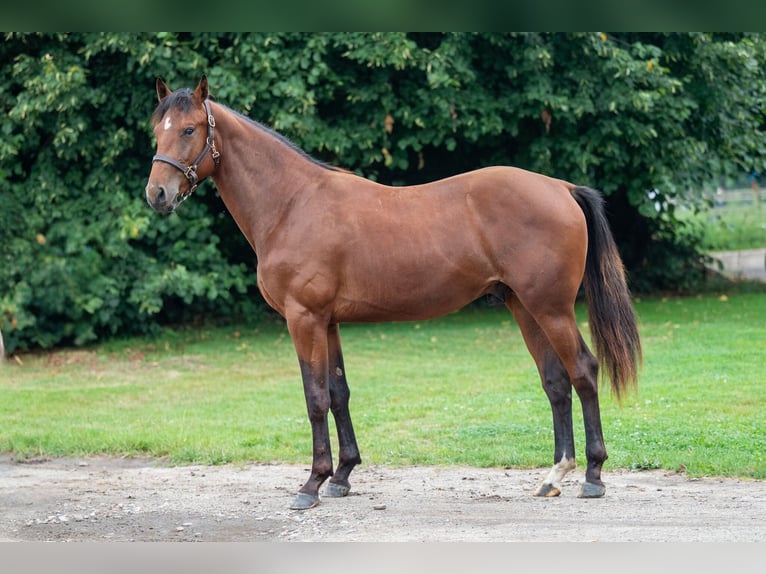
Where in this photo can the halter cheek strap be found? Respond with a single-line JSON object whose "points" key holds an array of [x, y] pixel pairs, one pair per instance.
{"points": [[190, 171]]}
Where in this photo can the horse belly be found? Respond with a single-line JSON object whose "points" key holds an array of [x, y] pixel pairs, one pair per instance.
{"points": [[409, 290]]}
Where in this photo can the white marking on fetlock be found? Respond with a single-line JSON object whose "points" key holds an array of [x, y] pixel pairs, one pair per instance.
{"points": [[559, 471]]}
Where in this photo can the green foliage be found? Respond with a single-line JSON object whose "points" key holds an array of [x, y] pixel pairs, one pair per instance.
{"points": [[734, 225], [644, 117], [82, 255]]}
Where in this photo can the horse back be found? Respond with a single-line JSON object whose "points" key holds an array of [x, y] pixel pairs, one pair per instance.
{"points": [[424, 250]]}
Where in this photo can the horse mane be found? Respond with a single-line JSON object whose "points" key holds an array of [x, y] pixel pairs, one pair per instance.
{"points": [[278, 136], [182, 100]]}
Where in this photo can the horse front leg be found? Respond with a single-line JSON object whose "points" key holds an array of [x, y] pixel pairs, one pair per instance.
{"points": [[348, 457], [310, 339]]}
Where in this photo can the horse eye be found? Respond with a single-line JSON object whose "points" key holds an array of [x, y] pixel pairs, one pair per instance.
{"points": [[188, 131]]}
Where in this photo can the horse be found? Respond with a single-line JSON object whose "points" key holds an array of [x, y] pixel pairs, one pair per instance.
{"points": [[333, 247]]}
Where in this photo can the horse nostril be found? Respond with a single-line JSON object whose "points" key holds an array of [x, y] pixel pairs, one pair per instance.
{"points": [[161, 195]]}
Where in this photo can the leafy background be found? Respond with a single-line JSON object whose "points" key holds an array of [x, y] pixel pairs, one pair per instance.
{"points": [[652, 119]]}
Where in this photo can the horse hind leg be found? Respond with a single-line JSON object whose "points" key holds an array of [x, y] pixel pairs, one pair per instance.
{"points": [[557, 387], [595, 449], [582, 369], [348, 456]]}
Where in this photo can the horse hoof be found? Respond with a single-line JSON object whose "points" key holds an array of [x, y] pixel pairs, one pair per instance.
{"points": [[547, 491], [335, 490], [590, 490], [304, 501]]}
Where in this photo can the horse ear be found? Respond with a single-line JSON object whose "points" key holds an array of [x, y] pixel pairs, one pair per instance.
{"points": [[162, 90], [202, 89]]}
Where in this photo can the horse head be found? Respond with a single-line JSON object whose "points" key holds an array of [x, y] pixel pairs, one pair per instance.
{"points": [[184, 128]]}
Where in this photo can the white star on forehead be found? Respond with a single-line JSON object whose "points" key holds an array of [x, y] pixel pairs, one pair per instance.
{"points": [[167, 123]]}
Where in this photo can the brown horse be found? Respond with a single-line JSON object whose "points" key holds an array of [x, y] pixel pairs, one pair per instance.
{"points": [[333, 247]]}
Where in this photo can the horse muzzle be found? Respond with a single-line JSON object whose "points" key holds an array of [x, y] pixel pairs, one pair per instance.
{"points": [[161, 198]]}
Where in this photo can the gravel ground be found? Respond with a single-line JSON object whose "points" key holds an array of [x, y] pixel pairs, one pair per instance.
{"points": [[108, 499]]}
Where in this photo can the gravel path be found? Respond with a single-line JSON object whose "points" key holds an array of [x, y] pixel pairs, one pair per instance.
{"points": [[140, 500]]}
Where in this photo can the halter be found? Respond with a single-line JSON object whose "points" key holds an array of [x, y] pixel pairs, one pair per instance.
{"points": [[190, 171]]}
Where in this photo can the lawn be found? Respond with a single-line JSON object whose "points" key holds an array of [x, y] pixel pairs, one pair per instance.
{"points": [[457, 390], [738, 221]]}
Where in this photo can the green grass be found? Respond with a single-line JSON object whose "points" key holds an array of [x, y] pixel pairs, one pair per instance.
{"points": [[740, 223], [458, 390]]}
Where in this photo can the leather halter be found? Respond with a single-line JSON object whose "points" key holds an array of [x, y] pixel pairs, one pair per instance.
{"points": [[190, 171]]}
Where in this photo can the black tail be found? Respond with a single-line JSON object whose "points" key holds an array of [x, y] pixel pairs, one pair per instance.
{"points": [[613, 326]]}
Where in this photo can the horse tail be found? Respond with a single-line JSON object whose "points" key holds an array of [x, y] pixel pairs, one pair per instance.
{"points": [[613, 325]]}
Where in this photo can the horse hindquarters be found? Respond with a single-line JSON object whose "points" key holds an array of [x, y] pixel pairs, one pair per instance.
{"points": [[548, 322], [549, 272]]}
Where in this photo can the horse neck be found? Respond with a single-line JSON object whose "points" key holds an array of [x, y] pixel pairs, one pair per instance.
{"points": [[259, 176]]}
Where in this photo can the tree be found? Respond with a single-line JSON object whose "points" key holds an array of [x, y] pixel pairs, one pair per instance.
{"points": [[650, 119]]}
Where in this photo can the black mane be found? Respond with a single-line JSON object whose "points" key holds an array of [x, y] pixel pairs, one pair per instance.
{"points": [[182, 100], [285, 141]]}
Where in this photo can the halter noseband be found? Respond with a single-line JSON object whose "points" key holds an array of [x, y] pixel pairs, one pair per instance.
{"points": [[190, 171]]}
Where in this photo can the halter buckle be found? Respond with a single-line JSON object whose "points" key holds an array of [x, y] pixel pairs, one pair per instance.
{"points": [[214, 151]]}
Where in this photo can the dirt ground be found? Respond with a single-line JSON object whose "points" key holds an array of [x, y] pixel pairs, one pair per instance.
{"points": [[108, 499]]}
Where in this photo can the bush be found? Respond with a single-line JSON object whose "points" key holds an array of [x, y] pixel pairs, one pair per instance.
{"points": [[83, 255]]}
